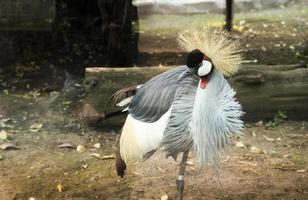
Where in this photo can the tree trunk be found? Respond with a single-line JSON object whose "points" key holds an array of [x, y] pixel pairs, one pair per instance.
{"points": [[229, 14], [117, 25], [261, 89]]}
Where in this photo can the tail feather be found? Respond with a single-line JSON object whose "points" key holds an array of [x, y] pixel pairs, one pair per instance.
{"points": [[120, 164], [124, 96]]}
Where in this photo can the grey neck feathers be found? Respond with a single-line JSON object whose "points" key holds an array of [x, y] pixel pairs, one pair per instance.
{"points": [[216, 115]]}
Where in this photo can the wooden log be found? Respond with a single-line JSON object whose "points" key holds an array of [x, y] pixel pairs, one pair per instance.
{"points": [[261, 89]]}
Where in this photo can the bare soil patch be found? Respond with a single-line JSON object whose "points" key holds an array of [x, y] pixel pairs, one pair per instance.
{"points": [[271, 163]]}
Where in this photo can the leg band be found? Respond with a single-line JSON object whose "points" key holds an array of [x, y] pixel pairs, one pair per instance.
{"points": [[180, 177]]}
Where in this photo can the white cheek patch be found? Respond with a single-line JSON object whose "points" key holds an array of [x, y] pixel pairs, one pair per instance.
{"points": [[205, 68]]}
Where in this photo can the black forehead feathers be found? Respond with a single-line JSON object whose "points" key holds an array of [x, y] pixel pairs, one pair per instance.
{"points": [[194, 58]]}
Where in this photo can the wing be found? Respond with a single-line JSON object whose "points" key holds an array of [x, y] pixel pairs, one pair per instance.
{"points": [[156, 96], [177, 135]]}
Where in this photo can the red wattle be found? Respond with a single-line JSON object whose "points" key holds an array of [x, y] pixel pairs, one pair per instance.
{"points": [[203, 83]]}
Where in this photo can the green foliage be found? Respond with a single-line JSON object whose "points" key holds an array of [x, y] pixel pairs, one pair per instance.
{"points": [[280, 117]]}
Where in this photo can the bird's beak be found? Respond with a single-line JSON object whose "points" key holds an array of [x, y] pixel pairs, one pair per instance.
{"points": [[203, 82]]}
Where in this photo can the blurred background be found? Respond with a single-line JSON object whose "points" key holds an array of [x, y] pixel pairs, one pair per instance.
{"points": [[61, 60]]}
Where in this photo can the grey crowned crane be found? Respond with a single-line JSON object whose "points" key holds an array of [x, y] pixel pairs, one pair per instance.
{"points": [[188, 107]]}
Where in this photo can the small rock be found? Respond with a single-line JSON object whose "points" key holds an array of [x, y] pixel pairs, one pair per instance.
{"points": [[164, 197], [81, 148], [31, 198], [1, 157]]}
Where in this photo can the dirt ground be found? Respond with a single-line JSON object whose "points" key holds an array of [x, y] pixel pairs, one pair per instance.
{"points": [[267, 163]]}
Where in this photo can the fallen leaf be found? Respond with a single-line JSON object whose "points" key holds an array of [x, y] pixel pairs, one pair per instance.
{"points": [[240, 144], [248, 163], [254, 149], [253, 134], [5, 120], [3, 123], [249, 170], [108, 157], [300, 190], [81, 148], [138, 173], [241, 22], [160, 169], [60, 187], [9, 146], [36, 127], [259, 123], [227, 159], [97, 145], [85, 166], [66, 145], [3, 135], [190, 163], [302, 170], [164, 197], [96, 155], [66, 102], [284, 168], [269, 139]]}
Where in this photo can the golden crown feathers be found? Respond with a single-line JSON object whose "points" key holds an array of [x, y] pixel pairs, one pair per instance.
{"points": [[217, 44]]}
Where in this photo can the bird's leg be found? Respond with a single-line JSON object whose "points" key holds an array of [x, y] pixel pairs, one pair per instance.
{"points": [[180, 178]]}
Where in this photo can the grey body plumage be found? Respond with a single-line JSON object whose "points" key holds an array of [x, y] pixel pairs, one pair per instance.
{"points": [[202, 119]]}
